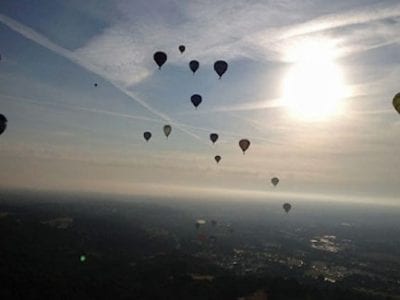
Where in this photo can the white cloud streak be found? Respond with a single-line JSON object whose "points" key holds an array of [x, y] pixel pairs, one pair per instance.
{"points": [[79, 108]]}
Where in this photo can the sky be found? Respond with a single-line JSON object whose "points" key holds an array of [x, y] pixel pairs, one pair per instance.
{"points": [[309, 83]]}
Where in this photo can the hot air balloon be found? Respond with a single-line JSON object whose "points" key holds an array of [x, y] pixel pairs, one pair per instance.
{"points": [[182, 48], [217, 158], [167, 130], [95, 85], [196, 100], [3, 123], [220, 67], [213, 137], [147, 135], [275, 181], [244, 144], [194, 65], [287, 207], [160, 58], [396, 102], [199, 223]]}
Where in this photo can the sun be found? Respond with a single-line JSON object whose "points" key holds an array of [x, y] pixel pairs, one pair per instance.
{"points": [[314, 87]]}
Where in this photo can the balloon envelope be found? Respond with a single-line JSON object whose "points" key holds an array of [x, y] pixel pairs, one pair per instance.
{"points": [[199, 223], [220, 67], [217, 158], [147, 135], [244, 144], [213, 137], [396, 102], [160, 58], [181, 48], [275, 181], [196, 100], [3, 123], [167, 130], [287, 207], [194, 65]]}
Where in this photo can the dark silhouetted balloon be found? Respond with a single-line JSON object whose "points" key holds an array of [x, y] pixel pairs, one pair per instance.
{"points": [[167, 130], [160, 58], [220, 67], [147, 135], [196, 100], [181, 48], [95, 85], [275, 181], [3, 123], [217, 158], [213, 137], [244, 144], [396, 102], [287, 207], [194, 65]]}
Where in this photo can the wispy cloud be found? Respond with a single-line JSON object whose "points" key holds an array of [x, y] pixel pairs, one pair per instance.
{"points": [[258, 31], [359, 15], [276, 40]]}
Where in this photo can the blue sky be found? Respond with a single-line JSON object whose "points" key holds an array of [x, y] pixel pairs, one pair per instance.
{"points": [[65, 134]]}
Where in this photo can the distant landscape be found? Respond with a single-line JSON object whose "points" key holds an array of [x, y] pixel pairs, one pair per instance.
{"points": [[65, 246]]}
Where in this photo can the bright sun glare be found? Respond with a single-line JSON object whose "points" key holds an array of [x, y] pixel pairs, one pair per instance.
{"points": [[314, 86]]}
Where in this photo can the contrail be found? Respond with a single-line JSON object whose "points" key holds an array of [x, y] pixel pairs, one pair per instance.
{"points": [[250, 106], [45, 42], [79, 108]]}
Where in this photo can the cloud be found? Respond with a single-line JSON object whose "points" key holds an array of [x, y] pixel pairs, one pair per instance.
{"points": [[261, 31], [359, 15], [341, 29]]}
